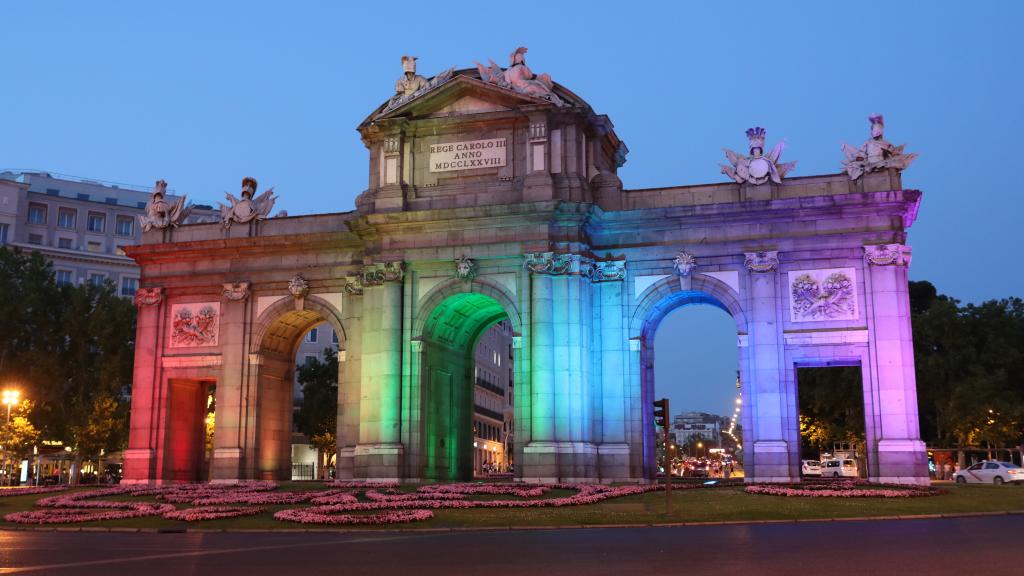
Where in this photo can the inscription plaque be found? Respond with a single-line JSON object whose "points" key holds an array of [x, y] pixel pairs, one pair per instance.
{"points": [[469, 155]]}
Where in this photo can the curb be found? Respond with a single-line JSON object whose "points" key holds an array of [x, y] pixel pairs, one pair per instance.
{"points": [[462, 529]]}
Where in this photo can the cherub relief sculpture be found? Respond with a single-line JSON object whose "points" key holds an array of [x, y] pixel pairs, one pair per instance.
{"points": [[757, 168], [162, 214], [876, 153], [248, 208], [519, 77]]}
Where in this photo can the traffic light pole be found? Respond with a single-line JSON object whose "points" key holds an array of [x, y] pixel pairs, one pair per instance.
{"points": [[661, 418]]}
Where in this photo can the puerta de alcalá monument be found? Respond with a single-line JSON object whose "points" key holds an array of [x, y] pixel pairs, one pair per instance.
{"points": [[492, 195]]}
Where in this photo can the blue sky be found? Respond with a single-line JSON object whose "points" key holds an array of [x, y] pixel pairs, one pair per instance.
{"points": [[201, 94]]}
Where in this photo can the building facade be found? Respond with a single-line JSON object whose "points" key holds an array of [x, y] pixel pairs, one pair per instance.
{"points": [[494, 195], [80, 225], [493, 407], [707, 427]]}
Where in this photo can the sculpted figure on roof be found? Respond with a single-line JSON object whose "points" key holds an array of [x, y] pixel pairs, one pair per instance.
{"points": [[519, 77], [248, 208], [410, 82], [759, 167], [160, 213], [876, 153]]}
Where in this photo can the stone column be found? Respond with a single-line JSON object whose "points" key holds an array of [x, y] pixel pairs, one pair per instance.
{"points": [[349, 380], [140, 457], [890, 385], [540, 458], [226, 464], [379, 453], [774, 454], [613, 402]]}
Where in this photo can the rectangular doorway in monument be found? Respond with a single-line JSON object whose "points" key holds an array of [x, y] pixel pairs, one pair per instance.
{"points": [[832, 424], [189, 417]]}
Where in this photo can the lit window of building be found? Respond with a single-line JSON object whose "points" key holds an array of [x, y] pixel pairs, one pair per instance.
{"points": [[37, 214], [97, 222], [66, 218], [124, 226], [129, 286]]}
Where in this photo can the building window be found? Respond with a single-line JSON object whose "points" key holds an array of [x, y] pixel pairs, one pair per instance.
{"points": [[334, 337], [37, 214], [35, 239], [97, 278], [97, 222], [311, 336], [65, 277], [64, 243], [66, 218], [52, 192], [124, 226], [4, 230], [129, 286], [309, 359], [82, 196], [95, 247]]}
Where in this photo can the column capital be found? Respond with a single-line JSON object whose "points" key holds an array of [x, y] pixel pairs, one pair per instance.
{"points": [[887, 255], [609, 271], [381, 273], [236, 291], [149, 296], [761, 262], [551, 264]]}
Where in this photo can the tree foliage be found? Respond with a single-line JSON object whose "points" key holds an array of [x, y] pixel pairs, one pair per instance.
{"points": [[70, 349], [318, 415]]}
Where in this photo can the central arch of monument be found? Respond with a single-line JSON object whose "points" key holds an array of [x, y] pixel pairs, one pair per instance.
{"points": [[493, 195]]}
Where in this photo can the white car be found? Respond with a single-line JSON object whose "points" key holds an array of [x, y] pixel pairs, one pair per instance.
{"points": [[810, 468], [990, 472], [845, 468]]}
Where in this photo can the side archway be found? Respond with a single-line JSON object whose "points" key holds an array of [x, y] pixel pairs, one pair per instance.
{"points": [[276, 336]]}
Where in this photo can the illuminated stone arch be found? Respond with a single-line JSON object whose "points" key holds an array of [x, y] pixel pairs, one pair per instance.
{"points": [[450, 320], [657, 302]]}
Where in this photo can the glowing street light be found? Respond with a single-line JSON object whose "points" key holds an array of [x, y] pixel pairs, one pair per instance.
{"points": [[10, 398]]}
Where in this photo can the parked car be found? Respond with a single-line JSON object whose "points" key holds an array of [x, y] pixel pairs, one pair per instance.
{"points": [[990, 472], [845, 468], [810, 468]]}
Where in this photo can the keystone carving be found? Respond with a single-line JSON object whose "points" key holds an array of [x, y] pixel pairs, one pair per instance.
{"points": [[684, 264], [465, 268], [298, 286]]}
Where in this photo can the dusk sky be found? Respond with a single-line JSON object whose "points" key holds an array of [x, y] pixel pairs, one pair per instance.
{"points": [[202, 94]]}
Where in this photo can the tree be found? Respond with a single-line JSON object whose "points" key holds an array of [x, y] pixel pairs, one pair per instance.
{"points": [[17, 436], [318, 415], [831, 407], [95, 363]]}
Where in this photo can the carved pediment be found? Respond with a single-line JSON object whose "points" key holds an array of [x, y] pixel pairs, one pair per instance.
{"points": [[462, 94]]}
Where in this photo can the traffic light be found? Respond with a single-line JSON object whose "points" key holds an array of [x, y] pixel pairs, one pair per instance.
{"points": [[661, 413]]}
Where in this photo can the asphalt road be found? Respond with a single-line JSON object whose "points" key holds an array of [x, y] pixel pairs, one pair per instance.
{"points": [[989, 545]]}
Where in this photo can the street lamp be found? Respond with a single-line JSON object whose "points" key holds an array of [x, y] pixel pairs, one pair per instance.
{"points": [[10, 398]]}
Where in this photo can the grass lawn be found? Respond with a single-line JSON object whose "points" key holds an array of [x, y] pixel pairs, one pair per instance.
{"points": [[698, 505]]}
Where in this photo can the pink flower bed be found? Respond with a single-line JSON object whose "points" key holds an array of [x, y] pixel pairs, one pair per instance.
{"points": [[212, 513], [843, 489], [340, 503], [27, 490]]}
